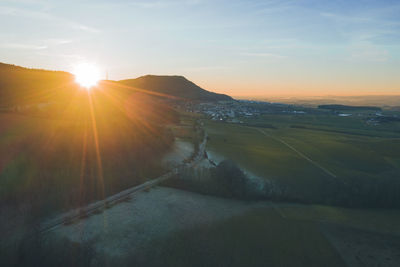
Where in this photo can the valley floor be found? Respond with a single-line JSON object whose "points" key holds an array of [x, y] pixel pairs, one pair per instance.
{"points": [[170, 227], [148, 216]]}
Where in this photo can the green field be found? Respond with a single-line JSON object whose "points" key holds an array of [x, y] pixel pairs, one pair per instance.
{"points": [[257, 238], [354, 125], [277, 235], [304, 160], [385, 221]]}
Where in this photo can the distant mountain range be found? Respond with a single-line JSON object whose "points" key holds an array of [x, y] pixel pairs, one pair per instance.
{"points": [[19, 85]]}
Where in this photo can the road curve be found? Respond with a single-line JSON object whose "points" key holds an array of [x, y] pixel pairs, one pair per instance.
{"points": [[82, 212]]}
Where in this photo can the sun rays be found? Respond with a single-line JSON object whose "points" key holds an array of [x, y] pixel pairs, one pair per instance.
{"points": [[87, 75]]}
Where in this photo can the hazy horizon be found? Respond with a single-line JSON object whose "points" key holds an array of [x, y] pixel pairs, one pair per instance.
{"points": [[175, 133], [241, 48]]}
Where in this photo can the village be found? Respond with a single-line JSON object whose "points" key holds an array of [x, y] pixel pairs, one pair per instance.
{"points": [[233, 111], [236, 111]]}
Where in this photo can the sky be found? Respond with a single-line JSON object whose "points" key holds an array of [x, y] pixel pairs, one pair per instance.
{"points": [[245, 48]]}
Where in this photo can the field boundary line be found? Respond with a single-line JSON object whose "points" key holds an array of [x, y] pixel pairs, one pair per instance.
{"points": [[279, 211], [298, 152]]}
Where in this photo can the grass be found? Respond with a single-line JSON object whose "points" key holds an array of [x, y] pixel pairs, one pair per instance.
{"points": [[377, 220], [354, 125], [66, 160], [258, 238], [265, 157], [346, 156], [337, 152]]}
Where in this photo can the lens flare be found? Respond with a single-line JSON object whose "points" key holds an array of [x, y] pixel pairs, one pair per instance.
{"points": [[87, 75]]}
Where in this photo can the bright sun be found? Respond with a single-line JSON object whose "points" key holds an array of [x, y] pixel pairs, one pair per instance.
{"points": [[87, 75]]}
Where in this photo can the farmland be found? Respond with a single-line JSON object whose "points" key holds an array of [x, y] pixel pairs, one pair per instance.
{"points": [[201, 230], [256, 238], [305, 160]]}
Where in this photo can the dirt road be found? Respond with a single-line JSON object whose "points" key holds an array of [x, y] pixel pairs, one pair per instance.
{"points": [[298, 152]]}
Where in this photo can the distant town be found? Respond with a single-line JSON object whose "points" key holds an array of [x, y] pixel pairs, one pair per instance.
{"points": [[237, 110]]}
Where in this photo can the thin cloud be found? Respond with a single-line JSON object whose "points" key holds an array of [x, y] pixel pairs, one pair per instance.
{"points": [[368, 52], [153, 4], [208, 68], [83, 27], [272, 7], [18, 12], [43, 44], [68, 57], [264, 55], [342, 18], [55, 41], [23, 46]]}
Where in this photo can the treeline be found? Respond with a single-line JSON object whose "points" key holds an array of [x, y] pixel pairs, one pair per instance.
{"points": [[344, 107], [225, 180], [259, 125], [228, 180], [23, 86], [95, 146], [81, 148], [384, 119]]}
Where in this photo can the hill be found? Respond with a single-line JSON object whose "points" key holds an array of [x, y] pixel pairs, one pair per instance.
{"points": [[63, 147], [176, 86], [25, 86], [20, 85]]}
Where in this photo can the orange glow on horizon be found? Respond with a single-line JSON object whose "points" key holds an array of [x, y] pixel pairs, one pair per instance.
{"points": [[301, 89]]}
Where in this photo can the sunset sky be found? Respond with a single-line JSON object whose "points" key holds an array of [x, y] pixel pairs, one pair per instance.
{"points": [[240, 47]]}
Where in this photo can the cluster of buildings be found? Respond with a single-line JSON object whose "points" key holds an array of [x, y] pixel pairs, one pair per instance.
{"points": [[226, 111], [237, 110], [232, 111]]}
